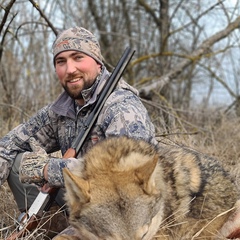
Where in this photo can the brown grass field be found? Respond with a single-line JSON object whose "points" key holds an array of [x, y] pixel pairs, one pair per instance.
{"points": [[216, 135]]}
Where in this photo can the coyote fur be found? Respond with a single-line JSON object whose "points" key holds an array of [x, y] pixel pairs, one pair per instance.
{"points": [[130, 190]]}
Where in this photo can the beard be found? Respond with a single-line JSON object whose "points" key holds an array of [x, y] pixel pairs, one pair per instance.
{"points": [[77, 92], [74, 93]]}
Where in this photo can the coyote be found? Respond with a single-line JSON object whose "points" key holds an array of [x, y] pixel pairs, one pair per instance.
{"points": [[130, 190]]}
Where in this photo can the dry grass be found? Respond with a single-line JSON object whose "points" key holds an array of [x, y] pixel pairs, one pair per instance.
{"points": [[216, 135], [49, 225], [8, 211]]}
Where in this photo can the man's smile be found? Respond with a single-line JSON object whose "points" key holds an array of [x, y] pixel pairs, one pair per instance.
{"points": [[75, 80]]}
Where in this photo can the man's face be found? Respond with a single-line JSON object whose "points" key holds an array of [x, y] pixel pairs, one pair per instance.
{"points": [[76, 71]]}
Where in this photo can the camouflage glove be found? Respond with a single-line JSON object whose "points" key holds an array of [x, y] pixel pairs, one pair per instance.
{"points": [[32, 164]]}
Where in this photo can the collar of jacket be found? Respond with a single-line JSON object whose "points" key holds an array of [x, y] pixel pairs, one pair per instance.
{"points": [[64, 105]]}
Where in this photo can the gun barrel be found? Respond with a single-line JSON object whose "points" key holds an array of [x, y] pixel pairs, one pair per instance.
{"points": [[106, 91]]}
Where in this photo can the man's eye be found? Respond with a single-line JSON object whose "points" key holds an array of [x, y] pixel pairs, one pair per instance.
{"points": [[78, 57], [60, 61]]}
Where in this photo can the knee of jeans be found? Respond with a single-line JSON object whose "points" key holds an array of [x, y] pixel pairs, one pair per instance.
{"points": [[60, 198], [16, 164]]}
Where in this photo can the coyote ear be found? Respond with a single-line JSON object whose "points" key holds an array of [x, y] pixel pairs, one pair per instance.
{"points": [[148, 176], [77, 189]]}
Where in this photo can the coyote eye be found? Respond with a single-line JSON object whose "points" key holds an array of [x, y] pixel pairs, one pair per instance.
{"points": [[142, 232], [144, 235]]}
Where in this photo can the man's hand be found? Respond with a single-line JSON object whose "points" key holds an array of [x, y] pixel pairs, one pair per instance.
{"points": [[32, 164]]}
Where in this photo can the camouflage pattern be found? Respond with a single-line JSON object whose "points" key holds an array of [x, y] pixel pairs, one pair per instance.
{"points": [[77, 39], [32, 164], [57, 125]]}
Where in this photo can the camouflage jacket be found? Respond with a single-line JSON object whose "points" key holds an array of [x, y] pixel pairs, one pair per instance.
{"points": [[57, 125]]}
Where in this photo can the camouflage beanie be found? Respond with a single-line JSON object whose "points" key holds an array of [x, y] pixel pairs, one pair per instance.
{"points": [[77, 39]]}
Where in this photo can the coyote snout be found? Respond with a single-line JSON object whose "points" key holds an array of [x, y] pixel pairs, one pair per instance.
{"points": [[130, 190]]}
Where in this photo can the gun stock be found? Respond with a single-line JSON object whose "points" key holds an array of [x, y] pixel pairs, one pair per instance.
{"points": [[47, 194], [71, 152]]}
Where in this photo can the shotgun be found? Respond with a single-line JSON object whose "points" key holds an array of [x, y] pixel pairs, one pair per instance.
{"points": [[46, 196]]}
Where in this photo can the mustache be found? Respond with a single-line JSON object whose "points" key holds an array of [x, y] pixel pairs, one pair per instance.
{"points": [[73, 76]]}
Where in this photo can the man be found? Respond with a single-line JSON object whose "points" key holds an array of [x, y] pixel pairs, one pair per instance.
{"points": [[80, 69]]}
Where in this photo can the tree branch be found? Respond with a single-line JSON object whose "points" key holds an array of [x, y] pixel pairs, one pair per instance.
{"points": [[44, 16], [196, 55], [7, 10], [149, 10]]}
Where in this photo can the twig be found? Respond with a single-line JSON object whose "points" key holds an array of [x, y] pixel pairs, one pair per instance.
{"points": [[7, 10], [44, 16], [180, 133], [14, 107]]}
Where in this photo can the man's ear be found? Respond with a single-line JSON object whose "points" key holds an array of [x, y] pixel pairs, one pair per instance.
{"points": [[77, 189], [100, 67]]}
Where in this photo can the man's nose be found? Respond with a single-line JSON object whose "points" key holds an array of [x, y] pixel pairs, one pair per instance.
{"points": [[71, 68]]}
